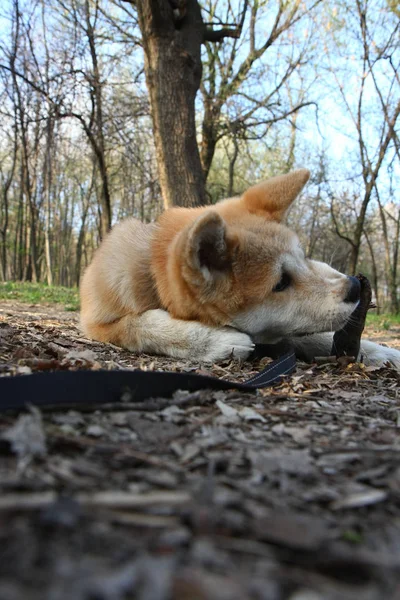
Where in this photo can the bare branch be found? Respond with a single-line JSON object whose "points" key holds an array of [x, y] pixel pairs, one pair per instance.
{"points": [[217, 35]]}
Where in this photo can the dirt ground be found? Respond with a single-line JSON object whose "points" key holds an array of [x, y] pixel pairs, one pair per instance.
{"points": [[290, 493]]}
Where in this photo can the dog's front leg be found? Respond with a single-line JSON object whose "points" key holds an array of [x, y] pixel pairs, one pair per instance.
{"points": [[375, 354], [320, 344], [155, 331]]}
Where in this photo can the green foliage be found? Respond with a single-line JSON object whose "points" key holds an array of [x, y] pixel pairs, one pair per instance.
{"points": [[38, 293], [393, 5], [385, 321], [352, 536]]}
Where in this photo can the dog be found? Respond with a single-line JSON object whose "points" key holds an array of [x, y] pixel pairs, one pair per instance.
{"points": [[206, 283]]}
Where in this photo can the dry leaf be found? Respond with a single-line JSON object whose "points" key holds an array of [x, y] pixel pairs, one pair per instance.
{"points": [[26, 437]]}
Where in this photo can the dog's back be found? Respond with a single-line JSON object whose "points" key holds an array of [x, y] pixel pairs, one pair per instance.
{"points": [[118, 280]]}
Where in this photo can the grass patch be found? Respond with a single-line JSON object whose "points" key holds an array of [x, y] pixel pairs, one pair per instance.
{"points": [[39, 293], [352, 536], [384, 322]]}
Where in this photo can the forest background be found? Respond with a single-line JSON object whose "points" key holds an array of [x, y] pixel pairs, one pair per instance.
{"points": [[282, 84]]}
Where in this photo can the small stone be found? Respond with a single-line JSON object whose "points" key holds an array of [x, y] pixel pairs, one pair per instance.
{"points": [[95, 431], [119, 419]]}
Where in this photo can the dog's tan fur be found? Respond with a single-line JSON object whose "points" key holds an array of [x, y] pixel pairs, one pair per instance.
{"points": [[200, 283]]}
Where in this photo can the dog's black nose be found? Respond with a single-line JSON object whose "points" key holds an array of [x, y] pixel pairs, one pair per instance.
{"points": [[354, 290]]}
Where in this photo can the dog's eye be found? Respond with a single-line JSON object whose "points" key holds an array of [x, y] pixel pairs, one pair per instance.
{"points": [[283, 283]]}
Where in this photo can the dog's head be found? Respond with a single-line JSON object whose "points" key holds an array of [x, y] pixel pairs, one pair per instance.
{"points": [[236, 264]]}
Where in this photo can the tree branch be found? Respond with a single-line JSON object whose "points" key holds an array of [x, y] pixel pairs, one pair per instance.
{"points": [[217, 35], [341, 235]]}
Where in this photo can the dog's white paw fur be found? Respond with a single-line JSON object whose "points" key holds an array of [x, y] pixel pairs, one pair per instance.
{"points": [[372, 354], [157, 331], [224, 343]]}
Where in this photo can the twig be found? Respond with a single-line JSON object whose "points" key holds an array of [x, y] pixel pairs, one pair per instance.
{"points": [[82, 442], [107, 499]]}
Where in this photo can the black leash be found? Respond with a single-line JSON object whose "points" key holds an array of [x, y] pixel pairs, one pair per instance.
{"points": [[71, 388]]}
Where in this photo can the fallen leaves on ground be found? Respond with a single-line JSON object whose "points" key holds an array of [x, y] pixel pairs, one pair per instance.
{"points": [[291, 493]]}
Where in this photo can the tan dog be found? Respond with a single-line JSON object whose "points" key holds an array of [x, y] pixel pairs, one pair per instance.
{"points": [[205, 283]]}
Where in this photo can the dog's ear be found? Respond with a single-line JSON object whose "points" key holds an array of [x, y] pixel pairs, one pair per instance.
{"points": [[275, 195], [209, 249]]}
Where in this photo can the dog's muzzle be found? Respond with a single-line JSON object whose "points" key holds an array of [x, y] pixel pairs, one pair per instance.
{"points": [[353, 291]]}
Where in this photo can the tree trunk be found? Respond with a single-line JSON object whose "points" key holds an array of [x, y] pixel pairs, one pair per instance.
{"points": [[209, 135], [7, 185], [85, 198], [19, 235], [394, 299], [375, 283], [354, 252], [359, 230], [47, 181], [79, 247], [395, 303], [27, 275], [231, 170], [391, 262], [97, 140], [173, 74]]}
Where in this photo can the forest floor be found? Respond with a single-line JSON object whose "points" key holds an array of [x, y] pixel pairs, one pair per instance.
{"points": [[290, 493]]}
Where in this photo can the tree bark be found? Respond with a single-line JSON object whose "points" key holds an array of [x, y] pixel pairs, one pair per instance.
{"points": [[375, 278], [231, 169], [173, 74], [6, 189], [85, 203], [98, 140], [209, 134], [391, 263], [47, 181]]}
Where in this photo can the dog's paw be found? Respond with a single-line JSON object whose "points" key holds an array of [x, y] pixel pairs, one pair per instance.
{"points": [[225, 343], [373, 354]]}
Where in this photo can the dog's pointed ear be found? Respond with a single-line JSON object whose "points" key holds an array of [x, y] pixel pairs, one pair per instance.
{"points": [[273, 197], [209, 249]]}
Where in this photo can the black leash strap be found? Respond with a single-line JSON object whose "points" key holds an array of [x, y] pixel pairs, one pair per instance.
{"points": [[71, 388]]}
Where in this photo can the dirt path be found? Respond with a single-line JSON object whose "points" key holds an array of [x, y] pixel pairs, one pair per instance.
{"points": [[290, 493], [390, 337]]}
